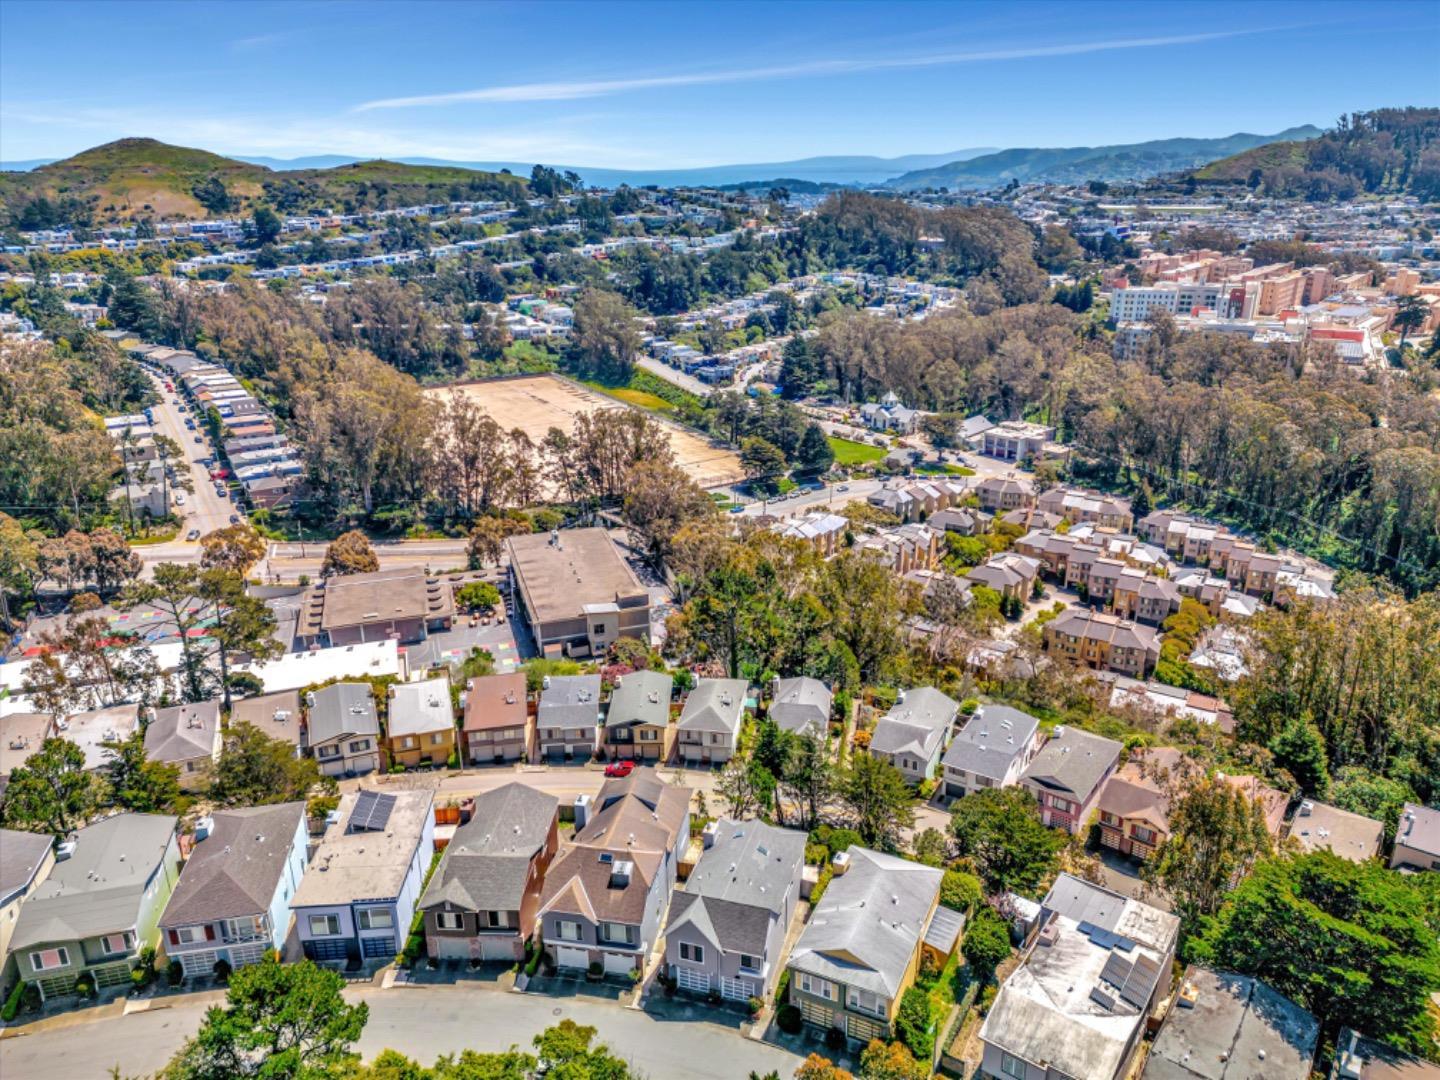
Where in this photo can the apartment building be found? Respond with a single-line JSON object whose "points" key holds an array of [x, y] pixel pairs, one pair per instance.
{"points": [[1103, 642], [1016, 440]]}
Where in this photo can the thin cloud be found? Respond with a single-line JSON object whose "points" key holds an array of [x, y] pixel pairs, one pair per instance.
{"points": [[569, 91], [260, 41]]}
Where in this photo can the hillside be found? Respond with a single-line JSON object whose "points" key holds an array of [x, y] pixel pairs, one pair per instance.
{"points": [[1076, 164], [1385, 152], [144, 178]]}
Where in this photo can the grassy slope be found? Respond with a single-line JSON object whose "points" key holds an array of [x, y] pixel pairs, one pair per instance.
{"points": [[854, 453], [143, 177], [1269, 156]]}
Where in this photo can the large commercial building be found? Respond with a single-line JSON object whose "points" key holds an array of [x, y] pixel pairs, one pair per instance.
{"points": [[576, 593], [401, 604]]}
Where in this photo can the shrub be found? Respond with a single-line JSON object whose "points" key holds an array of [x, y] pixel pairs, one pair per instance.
{"points": [[960, 891], [789, 1019], [969, 705], [819, 890], [85, 601], [454, 760], [635, 975], [987, 998], [755, 1005], [175, 973], [987, 942], [596, 969], [222, 971], [85, 985], [12, 1003], [835, 1040], [912, 1023], [31, 1000], [782, 987]]}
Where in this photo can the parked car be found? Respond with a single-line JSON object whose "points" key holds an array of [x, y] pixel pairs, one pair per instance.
{"points": [[737, 509], [234, 519], [200, 438], [620, 768], [222, 491], [179, 498], [193, 534]]}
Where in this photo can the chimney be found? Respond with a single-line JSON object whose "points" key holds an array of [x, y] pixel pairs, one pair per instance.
{"points": [[840, 862]]}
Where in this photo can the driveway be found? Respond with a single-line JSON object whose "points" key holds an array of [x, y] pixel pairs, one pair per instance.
{"points": [[421, 1022]]}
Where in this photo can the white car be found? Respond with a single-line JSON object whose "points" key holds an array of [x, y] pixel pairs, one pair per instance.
{"points": [[179, 498]]}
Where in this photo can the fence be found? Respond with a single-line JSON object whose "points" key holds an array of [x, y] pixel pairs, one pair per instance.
{"points": [[944, 1059]]}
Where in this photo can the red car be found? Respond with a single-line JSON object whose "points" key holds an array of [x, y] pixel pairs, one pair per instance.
{"points": [[620, 768], [220, 474]]}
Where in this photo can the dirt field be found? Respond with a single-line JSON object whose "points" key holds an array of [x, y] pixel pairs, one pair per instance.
{"points": [[536, 403]]}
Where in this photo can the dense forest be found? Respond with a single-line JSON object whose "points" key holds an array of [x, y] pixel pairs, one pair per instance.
{"points": [[1387, 151]]}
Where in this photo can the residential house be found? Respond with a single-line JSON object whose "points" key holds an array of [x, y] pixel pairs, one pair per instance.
{"points": [[1359, 1058], [913, 734], [1225, 1026], [93, 729], [232, 901], [1273, 803], [25, 860], [420, 725], [497, 721], [21, 734], [999, 494], [709, 727], [1417, 839], [862, 947], [276, 715], [991, 751], [568, 717], [1077, 1004], [358, 897], [1162, 699], [1135, 803], [100, 905], [963, 521], [1068, 774], [1009, 574], [604, 895], [484, 897], [575, 592], [188, 737], [726, 929], [823, 531], [889, 415], [637, 721], [402, 605], [1143, 597], [1351, 836], [343, 730], [1103, 641], [801, 705]]}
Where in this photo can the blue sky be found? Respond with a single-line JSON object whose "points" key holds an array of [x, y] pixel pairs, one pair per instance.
{"points": [[674, 85]]}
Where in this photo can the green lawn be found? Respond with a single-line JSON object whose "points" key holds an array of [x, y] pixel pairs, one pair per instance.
{"points": [[947, 469], [848, 452]]}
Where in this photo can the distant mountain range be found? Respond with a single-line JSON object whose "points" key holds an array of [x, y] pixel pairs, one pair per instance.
{"points": [[1076, 164]]}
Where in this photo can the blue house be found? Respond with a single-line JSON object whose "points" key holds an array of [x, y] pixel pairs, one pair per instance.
{"points": [[233, 899]]}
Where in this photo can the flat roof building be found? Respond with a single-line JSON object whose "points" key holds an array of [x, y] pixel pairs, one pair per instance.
{"points": [[576, 593], [403, 605]]}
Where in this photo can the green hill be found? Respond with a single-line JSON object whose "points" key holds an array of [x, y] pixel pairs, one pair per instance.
{"points": [[1076, 164], [140, 178], [1384, 152]]}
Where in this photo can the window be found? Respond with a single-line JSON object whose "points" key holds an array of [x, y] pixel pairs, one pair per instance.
{"points": [[862, 1001], [598, 630], [359, 745], [376, 919], [569, 931], [480, 736], [1108, 818], [326, 751], [813, 984], [117, 943], [1012, 1066], [324, 925], [448, 920], [437, 739], [497, 919], [716, 738], [243, 928], [1144, 835], [407, 742], [648, 734], [49, 959], [749, 963], [619, 933], [694, 953], [188, 935]]}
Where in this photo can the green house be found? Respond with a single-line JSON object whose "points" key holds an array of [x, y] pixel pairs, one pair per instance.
{"points": [[100, 905]]}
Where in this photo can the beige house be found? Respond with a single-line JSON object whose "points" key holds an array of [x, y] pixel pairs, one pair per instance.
{"points": [[420, 726], [25, 860], [188, 737], [497, 722]]}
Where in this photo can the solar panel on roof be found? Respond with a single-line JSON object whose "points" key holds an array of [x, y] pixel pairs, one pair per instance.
{"points": [[372, 811], [1101, 998], [1144, 974], [1117, 970]]}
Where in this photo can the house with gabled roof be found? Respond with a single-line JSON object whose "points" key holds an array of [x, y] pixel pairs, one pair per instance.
{"points": [[861, 949], [604, 894], [709, 728], [100, 905], [420, 725], [1068, 774], [802, 706], [188, 737], [497, 722], [726, 928], [343, 729], [232, 901], [25, 860], [568, 717], [637, 720], [991, 750], [483, 899], [913, 735]]}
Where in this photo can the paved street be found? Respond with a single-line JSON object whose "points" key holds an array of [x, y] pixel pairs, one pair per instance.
{"points": [[204, 510], [287, 561], [674, 376], [422, 1022]]}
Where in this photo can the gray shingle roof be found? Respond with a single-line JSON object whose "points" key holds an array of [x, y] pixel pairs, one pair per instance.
{"points": [[991, 740], [916, 724], [486, 865], [347, 708], [233, 871], [21, 854], [420, 708], [801, 705], [98, 889], [1073, 761], [750, 863], [570, 702], [183, 732], [875, 913], [714, 705], [735, 928], [643, 697]]}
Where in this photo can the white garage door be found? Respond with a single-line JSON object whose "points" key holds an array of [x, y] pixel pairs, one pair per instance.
{"points": [[618, 964], [737, 989], [692, 979], [497, 948], [241, 955], [569, 957], [199, 965]]}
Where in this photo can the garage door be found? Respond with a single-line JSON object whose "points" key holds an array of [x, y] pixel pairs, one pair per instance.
{"points": [[241, 955], [568, 957], [328, 948], [694, 979], [815, 1013], [497, 948], [200, 965], [377, 946], [737, 989], [618, 964]]}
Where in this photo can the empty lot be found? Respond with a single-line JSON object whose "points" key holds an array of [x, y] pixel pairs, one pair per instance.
{"points": [[536, 403]]}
